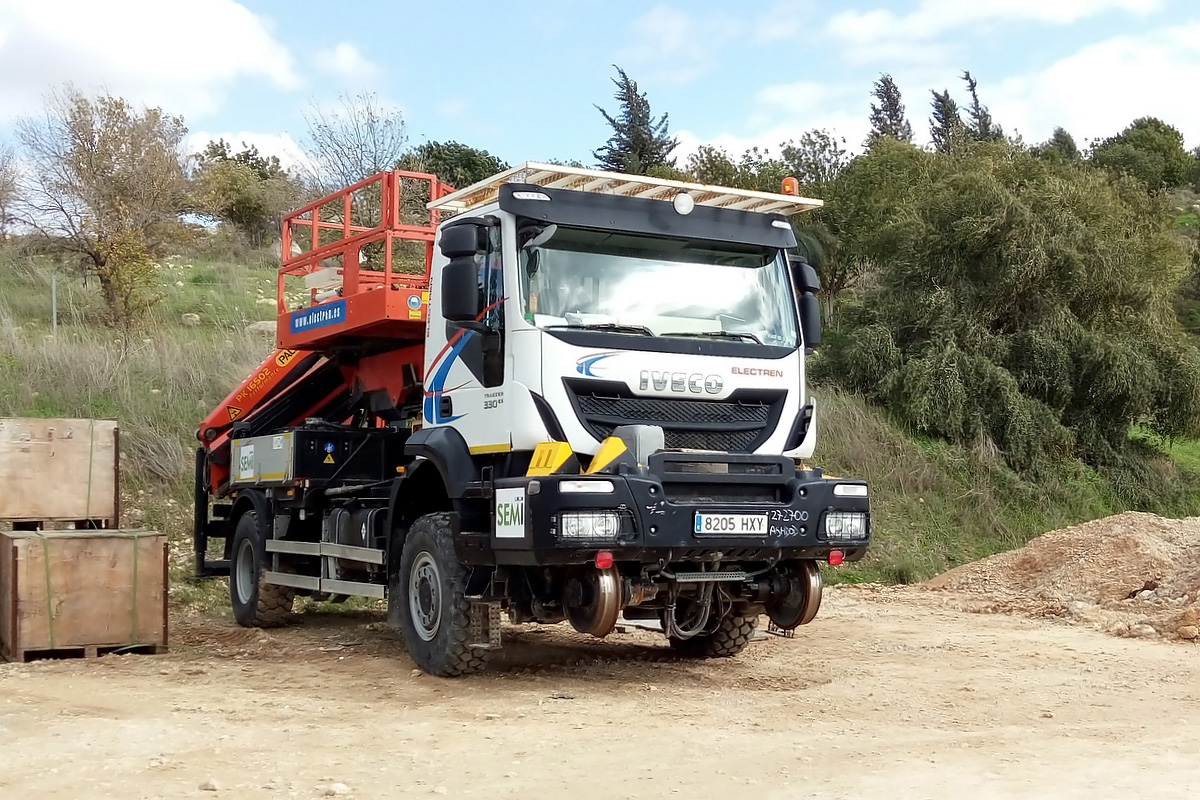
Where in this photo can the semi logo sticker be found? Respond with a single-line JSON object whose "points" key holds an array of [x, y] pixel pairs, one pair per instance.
{"points": [[510, 513]]}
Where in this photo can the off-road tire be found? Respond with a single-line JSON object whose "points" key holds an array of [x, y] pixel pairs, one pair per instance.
{"points": [[445, 648], [732, 635], [258, 605]]}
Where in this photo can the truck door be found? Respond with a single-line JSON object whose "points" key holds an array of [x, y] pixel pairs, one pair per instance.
{"points": [[467, 380]]}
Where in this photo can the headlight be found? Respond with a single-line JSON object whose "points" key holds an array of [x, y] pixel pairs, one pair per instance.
{"points": [[589, 525], [846, 526]]}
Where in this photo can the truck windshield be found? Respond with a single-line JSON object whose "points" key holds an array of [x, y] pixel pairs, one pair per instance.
{"points": [[642, 285]]}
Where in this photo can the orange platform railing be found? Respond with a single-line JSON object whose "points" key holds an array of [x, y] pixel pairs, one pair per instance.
{"points": [[333, 232]]}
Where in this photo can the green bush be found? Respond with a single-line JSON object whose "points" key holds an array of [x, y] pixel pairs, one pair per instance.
{"points": [[1016, 300]]}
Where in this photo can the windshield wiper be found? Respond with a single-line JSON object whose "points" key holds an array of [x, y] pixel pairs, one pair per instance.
{"points": [[615, 327], [740, 335]]}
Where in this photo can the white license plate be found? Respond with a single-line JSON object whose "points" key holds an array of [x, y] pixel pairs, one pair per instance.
{"points": [[731, 524]]}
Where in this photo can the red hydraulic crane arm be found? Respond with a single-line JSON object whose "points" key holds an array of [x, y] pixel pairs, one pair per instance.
{"points": [[288, 386]]}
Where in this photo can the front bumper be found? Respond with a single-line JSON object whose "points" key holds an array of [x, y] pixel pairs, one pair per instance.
{"points": [[688, 506]]}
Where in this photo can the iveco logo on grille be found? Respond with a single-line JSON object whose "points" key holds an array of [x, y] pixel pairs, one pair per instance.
{"points": [[693, 383]]}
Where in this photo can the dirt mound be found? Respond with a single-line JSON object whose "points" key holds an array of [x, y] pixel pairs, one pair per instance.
{"points": [[1132, 574]]}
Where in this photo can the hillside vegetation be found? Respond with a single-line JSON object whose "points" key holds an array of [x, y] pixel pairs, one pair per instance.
{"points": [[935, 504]]}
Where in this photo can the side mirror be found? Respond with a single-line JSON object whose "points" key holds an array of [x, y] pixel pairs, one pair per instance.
{"points": [[804, 275], [810, 322], [460, 290], [462, 239], [460, 278], [808, 283]]}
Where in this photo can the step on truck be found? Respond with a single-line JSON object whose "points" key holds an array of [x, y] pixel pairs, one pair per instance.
{"points": [[557, 395]]}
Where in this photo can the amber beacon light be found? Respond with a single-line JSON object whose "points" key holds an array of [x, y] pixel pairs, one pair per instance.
{"points": [[791, 186]]}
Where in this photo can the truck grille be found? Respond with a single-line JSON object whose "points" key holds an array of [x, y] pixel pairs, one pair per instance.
{"points": [[736, 425]]}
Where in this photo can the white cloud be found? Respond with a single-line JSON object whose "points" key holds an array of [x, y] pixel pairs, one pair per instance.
{"points": [[1100, 89], [675, 47], [932, 18], [785, 20], [291, 155], [182, 55], [884, 36], [1093, 93], [346, 60], [783, 112]]}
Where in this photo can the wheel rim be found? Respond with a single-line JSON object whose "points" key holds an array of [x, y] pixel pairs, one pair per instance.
{"points": [[244, 576], [425, 596]]}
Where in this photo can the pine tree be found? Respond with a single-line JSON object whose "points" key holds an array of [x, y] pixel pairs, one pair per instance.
{"points": [[639, 142], [887, 118], [946, 125]]}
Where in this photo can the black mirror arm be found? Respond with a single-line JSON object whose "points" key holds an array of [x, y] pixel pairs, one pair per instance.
{"points": [[473, 325]]}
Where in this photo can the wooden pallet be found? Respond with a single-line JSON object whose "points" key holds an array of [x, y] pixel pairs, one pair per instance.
{"points": [[79, 591], [89, 651]]}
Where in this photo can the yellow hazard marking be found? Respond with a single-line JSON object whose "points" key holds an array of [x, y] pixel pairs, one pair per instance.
{"points": [[489, 449], [329, 459], [548, 458], [234, 413], [610, 450]]}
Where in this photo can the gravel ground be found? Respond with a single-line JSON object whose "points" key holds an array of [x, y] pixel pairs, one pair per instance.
{"points": [[896, 693]]}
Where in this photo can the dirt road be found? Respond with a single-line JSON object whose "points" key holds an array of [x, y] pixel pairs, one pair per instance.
{"points": [[890, 693]]}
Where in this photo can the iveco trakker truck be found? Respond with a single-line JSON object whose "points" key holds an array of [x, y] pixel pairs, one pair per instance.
{"points": [[584, 400]]}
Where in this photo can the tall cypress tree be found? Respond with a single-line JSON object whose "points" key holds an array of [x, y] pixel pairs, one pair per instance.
{"points": [[639, 142], [887, 116], [983, 128], [946, 125]]}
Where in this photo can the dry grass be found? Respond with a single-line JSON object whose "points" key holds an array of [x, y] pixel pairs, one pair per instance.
{"points": [[158, 381], [158, 386]]}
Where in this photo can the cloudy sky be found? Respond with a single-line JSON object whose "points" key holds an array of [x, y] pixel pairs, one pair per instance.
{"points": [[521, 78]]}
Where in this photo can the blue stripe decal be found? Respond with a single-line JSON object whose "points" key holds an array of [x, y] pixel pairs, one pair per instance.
{"points": [[437, 384]]}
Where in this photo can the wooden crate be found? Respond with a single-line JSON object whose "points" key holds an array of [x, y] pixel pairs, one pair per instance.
{"points": [[64, 470], [83, 593]]}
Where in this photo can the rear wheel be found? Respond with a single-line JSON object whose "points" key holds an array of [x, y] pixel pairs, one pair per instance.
{"points": [[434, 613], [255, 604]]}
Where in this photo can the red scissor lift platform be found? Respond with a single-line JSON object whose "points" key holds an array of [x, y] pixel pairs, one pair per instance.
{"points": [[366, 281], [367, 251]]}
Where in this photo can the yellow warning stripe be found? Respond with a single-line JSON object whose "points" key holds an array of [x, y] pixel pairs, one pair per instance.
{"points": [[487, 449]]}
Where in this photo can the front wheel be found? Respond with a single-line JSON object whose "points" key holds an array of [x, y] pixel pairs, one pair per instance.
{"points": [[430, 590], [255, 604]]}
